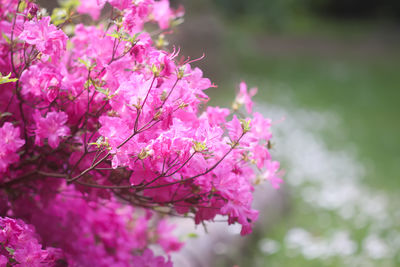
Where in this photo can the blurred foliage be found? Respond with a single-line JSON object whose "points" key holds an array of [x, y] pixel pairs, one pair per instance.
{"points": [[354, 75], [274, 14], [357, 8], [279, 15]]}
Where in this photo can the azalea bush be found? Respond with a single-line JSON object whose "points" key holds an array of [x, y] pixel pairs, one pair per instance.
{"points": [[105, 132]]}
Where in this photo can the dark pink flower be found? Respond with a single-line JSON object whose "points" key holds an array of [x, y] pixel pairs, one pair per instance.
{"points": [[52, 127], [235, 129], [10, 143], [41, 80], [45, 36]]}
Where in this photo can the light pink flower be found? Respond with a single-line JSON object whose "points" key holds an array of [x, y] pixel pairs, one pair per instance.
{"points": [[244, 97], [162, 13], [165, 238], [91, 7], [271, 174], [217, 115]]}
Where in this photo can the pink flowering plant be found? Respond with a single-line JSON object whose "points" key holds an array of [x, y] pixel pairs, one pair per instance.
{"points": [[104, 133]]}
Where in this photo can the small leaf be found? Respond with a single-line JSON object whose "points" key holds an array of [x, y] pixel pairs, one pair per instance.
{"points": [[6, 38], [6, 79], [193, 235], [89, 65], [10, 250], [245, 125], [199, 146], [115, 35], [5, 114], [59, 16], [69, 4]]}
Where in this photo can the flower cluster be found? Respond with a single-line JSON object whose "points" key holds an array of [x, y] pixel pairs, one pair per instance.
{"points": [[10, 142], [103, 132], [19, 245]]}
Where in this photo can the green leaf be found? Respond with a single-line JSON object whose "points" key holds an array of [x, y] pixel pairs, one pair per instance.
{"points": [[245, 125], [69, 4], [199, 146], [102, 90], [6, 79], [193, 235], [10, 250], [59, 16], [6, 38], [89, 65], [22, 6], [115, 35]]}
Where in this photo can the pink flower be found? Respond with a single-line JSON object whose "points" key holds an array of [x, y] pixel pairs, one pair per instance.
{"points": [[217, 115], [162, 13], [120, 4], [147, 259], [91, 7], [20, 238], [272, 174], [142, 46], [136, 14], [3, 260], [165, 238], [261, 155], [260, 127], [136, 138], [9, 145], [235, 129], [244, 98], [41, 80], [239, 213], [45, 36], [52, 127]]}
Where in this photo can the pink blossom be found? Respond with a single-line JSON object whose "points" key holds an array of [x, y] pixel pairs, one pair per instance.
{"points": [[142, 46], [91, 7], [147, 259], [41, 80], [261, 155], [3, 260], [21, 239], [136, 14], [260, 127], [244, 97], [115, 127], [10, 143], [165, 238], [244, 215], [272, 174], [217, 115], [234, 128], [162, 13], [51, 127], [45, 36], [120, 4]]}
